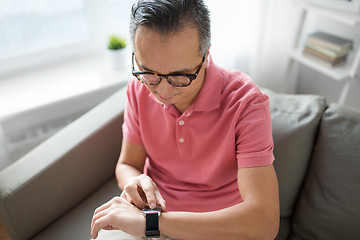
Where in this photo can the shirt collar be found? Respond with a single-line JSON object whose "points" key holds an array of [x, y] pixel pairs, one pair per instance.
{"points": [[209, 96]]}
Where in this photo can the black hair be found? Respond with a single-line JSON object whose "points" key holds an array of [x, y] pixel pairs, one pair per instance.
{"points": [[171, 16]]}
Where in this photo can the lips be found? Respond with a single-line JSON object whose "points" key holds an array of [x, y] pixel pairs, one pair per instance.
{"points": [[165, 98]]}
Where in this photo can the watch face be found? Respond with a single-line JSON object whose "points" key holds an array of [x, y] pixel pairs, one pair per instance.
{"points": [[148, 210]]}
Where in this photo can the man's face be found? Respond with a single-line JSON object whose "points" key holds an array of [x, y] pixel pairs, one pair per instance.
{"points": [[176, 53]]}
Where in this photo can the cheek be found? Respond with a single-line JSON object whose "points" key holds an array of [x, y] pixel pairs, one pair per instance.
{"points": [[151, 88]]}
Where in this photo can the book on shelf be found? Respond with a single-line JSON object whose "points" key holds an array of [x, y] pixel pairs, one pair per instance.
{"points": [[335, 43], [323, 56], [327, 49], [329, 63]]}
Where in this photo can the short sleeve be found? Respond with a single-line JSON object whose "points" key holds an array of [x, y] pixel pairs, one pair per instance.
{"points": [[131, 125], [254, 142]]}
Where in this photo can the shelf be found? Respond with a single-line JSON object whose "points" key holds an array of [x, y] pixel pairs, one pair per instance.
{"points": [[351, 19], [345, 73], [339, 73]]}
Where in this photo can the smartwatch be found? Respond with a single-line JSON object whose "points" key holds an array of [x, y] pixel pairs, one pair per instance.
{"points": [[152, 221]]}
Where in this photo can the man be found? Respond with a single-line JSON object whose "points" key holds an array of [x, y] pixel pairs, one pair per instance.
{"points": [[197, 138]]}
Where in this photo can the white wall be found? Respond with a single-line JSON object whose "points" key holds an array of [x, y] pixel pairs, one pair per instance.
{"points": [[311, 82]]}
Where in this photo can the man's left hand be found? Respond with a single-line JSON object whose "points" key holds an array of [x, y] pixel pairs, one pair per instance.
{"points": [[118, 214]]}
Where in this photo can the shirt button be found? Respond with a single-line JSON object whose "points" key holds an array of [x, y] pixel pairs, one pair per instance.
{"points": [[181, 122], [181, 140]]}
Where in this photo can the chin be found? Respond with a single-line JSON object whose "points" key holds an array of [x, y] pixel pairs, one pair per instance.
{"points": [[166, 101]]}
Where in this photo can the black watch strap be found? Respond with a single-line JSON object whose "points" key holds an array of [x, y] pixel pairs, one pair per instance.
{"points": [[152, 225]]}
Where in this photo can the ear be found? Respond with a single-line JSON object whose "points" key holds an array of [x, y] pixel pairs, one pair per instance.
{"points": [[206, 59], [208, 52]]}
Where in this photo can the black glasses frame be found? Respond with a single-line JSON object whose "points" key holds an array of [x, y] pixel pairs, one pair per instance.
{"points": [[191, 77]]}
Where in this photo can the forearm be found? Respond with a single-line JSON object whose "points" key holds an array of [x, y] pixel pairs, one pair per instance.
{"points": [[242, 221], [131, 163], [124, 173]]}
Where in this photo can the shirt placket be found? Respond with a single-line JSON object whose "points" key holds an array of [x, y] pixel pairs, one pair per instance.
{"points": [[181, 138]]}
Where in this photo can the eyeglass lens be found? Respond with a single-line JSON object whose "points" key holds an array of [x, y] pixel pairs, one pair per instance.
{"points": [[173, 80]]}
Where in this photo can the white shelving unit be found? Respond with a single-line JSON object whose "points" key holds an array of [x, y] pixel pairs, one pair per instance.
{"points": [[345, 73]]}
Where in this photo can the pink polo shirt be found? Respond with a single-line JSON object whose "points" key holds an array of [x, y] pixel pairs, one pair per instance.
{"points": [[194, 157]]}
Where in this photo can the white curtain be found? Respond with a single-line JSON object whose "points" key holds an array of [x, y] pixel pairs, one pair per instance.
{"points": [[254, 36], [237, 27], [280, 25]]}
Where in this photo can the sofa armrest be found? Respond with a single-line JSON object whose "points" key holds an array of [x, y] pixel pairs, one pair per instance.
{"points": [[51, 179]]}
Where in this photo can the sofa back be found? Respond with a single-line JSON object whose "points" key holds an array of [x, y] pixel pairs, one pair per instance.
{"points": [[329, 203]]}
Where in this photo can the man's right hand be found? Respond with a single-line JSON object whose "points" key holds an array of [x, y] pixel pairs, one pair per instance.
{"points": [[141, 191]]}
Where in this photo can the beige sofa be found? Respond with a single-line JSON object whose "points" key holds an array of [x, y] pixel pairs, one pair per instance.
{"points": [[52, 192]]}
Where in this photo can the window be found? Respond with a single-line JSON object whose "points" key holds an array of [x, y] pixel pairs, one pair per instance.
{"points": [[40, 33], [37, 33], [34, 25]]}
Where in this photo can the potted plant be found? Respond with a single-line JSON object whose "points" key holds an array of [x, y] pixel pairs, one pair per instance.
{"points": [[117, 53], [116, 42]]}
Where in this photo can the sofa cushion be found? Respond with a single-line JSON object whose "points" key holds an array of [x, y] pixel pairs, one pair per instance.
{"points": [[295, 119], [329, 205]]}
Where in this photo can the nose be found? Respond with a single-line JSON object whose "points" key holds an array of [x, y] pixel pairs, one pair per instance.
{"points": [[164, 88]]}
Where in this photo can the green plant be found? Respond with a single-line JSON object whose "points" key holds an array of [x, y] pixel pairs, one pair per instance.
{"points": [[116, 42]]}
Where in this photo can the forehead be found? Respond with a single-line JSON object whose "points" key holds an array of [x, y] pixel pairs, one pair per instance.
{"points": [[167, 53]]}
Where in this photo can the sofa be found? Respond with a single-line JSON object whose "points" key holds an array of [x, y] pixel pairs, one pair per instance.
{"points": [[51, 192]]}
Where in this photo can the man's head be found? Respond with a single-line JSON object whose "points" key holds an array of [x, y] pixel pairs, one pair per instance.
{"points": [[170, 16], [170, 37]]}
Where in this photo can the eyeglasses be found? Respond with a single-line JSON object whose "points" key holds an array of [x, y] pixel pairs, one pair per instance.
{"points": [[175, 79]]}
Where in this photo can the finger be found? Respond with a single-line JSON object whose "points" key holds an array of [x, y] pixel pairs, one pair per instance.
{"points": [[100, 223], [99, 215], [100, 209], [125, 196], [147, 185], [132, 194], [160, 200], [109, 228], [103, 207]]}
